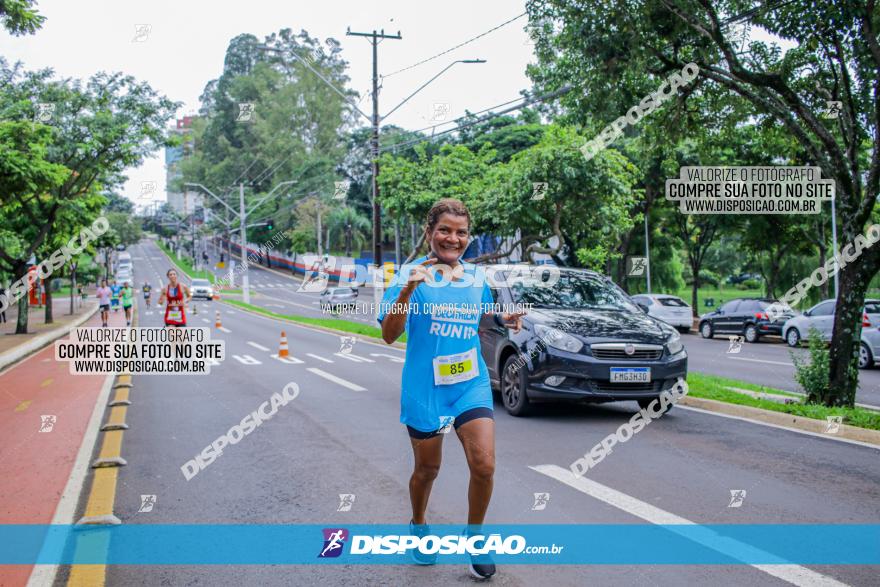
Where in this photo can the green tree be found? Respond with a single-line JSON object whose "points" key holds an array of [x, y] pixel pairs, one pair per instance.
{"points": [[98, 129], [599, 45], [19, 17]]}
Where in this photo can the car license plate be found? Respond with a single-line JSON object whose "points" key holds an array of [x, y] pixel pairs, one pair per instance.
{"points": [[630, 374]]}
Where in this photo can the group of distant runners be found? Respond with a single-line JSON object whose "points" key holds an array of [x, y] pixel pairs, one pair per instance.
{"points": [[176, 294]]}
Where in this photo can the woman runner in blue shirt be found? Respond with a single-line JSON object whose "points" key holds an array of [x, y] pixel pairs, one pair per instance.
{"points": [[439, 302]]}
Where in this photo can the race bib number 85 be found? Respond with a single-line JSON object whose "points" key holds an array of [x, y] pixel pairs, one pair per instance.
{"points": [[449, 369]]}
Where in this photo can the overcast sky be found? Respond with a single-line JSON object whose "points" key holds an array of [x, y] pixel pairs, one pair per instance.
{"points": [[188, 40]]}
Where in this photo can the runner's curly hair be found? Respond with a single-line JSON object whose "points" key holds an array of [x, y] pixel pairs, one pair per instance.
{"points": [[446, 206]]}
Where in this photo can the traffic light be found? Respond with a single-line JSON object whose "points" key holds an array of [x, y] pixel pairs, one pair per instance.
{"points": [[270, 225]]}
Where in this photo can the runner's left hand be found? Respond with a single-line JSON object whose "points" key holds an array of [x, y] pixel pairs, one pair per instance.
{"points": [[513, 320]]}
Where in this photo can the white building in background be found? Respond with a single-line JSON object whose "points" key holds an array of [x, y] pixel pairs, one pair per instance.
{"points": [[188, 202]]}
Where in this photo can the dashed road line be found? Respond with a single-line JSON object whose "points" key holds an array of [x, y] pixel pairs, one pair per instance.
{"points": [[335, 379], [257, 346], [319, 358], [355, 358]]}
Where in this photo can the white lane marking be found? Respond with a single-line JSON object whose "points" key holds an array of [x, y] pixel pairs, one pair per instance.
{"points": [[246, 360], [794, 574], [224, 329], [335, 379], [275, 306], [206, 321], [289, 359], [257, 346], [392, 357], [355, 358], [319, 358], [762, 361], [777, 426], [230, 312]]}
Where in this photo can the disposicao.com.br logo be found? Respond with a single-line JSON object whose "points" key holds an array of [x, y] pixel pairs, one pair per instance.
{"points": [[397, 544]]}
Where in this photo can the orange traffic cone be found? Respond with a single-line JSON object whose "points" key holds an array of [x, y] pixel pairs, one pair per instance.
{"points": [[217, 323], [282, 350]]}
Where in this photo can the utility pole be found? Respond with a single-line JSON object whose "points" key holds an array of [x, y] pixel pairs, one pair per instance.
{"points": [[374, 140], [242, 218], [647, 253]]}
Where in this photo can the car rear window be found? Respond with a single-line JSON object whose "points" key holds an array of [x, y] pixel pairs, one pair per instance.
{"points": [[574, 291], [872, 307], [672, 302], [201, 282]]}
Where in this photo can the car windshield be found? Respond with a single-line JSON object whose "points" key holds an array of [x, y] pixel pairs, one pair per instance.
{"points": [[672, 302], [576, 291], [201, 282]]}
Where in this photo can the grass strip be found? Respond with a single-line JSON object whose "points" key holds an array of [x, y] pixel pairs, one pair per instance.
{"points": [[713, 387]]}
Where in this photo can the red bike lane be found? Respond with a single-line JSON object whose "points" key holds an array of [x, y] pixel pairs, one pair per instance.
{"points": [[44, 416]]}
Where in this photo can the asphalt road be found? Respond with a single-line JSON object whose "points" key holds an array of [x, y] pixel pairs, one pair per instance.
{"points": [[342, 435], [767, 362]]}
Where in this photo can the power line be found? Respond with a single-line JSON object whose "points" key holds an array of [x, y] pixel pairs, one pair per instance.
{"points": [[423, 61], [563, 90]]}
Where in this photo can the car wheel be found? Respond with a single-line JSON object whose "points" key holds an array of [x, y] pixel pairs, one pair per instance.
{"points": [[513, 388], [751, 333], [646, 402], [793, 337], [706, 330], [866, 359]]}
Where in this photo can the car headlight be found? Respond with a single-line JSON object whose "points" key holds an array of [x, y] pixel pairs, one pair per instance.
{"points": [[673, 343], [553, 337]]}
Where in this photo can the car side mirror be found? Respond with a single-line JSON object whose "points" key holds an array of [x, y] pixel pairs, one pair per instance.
{"points": [[644, 307], [807, 313]]}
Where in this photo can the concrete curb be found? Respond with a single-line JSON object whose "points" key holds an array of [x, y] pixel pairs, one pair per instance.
{"points": [[784, 420], [38, 342]]}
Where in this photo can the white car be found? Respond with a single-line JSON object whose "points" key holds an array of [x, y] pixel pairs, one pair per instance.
{"points": [[670, 309], [821, 317], [201, 288]]}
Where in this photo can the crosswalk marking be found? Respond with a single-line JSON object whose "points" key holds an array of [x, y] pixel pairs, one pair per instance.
{"points": [[391, 357], [288, 359], [319, 358], [335, 379], [257, 346], [246, 360]]}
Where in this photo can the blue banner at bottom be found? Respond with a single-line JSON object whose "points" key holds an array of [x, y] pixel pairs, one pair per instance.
{"points": [[606, 544]]}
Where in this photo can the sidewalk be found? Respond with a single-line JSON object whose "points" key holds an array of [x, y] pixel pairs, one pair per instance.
{"points": [[36, 316], [44, 417]]}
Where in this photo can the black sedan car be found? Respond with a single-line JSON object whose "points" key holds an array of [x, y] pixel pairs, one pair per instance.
{"points": [[582, 340], [743, 316]]}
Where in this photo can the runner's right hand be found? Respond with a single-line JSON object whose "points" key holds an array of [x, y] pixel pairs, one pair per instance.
{"points": [[419, 273]]}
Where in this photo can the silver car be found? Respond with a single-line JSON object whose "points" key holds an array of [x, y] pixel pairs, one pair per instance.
{"points": [[670, 309], [333, 298], [821, 317], [201, 288]]}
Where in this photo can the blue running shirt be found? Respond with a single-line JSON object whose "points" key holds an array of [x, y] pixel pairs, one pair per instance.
{"points": [[444, 373]]}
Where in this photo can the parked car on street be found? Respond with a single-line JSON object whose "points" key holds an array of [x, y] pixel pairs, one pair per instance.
{"points": [[334, 298], [582, 340], [670, 309], [821, 317], [201, 288], [746, 317]]}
